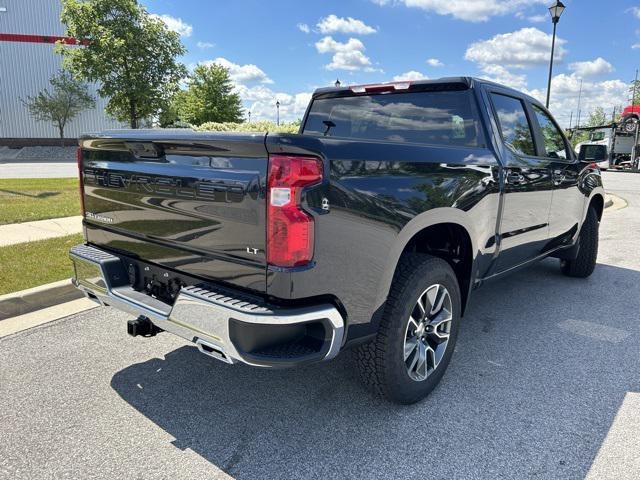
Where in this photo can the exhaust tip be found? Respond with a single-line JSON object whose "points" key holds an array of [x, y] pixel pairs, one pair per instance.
{"points": [[212, 350]]}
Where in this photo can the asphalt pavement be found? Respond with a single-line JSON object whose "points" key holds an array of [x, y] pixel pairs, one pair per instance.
{"points": [[544, 383]]}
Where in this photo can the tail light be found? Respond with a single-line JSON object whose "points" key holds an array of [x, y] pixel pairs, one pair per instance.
{"points": [[289, 228], [80, 178]]}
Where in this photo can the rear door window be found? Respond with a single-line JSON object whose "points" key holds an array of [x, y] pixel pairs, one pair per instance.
{"points": [[514, 125], [439, 118], [554, 144]]}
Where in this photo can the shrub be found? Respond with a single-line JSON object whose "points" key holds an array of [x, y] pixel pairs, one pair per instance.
{"points": [[263, 126]]}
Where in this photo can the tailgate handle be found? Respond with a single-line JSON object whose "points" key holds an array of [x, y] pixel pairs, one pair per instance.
{"points": [[144, 149]]}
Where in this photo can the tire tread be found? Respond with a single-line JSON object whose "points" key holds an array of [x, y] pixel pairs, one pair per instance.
{"points": [[371, 357], [585, 263]]}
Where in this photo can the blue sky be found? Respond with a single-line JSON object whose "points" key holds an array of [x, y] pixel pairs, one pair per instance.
{"points": [[284, 49]]}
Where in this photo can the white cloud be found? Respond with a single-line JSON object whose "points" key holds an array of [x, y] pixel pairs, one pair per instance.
{"points": [[537, 18], [410, 75], [635, 11], [635, 46], [564, 96], [592, 68], [434, 62], [520, 49], [204, 45], [176, 24], [251, 83], [346, 56], [303, 27], [348, 25], [261, 102], [242, 74], [468, 10], [499, 74]]}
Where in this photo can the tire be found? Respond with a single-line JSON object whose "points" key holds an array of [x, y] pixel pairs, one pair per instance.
{"points": [[382, 363], [629, 124], [584, 264]]}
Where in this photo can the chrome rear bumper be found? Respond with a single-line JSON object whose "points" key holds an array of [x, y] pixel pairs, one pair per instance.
{"points": [[223, 325]]}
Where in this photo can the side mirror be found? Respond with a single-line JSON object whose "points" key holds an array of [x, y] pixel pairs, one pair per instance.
{"points": [[593, 153]]}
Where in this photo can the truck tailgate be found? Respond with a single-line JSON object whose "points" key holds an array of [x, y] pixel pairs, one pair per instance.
{"points": [[194, 203]]}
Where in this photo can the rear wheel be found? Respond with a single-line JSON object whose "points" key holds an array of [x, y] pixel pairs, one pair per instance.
{"points": [[584, 264], [629, 124], [417, 335]]}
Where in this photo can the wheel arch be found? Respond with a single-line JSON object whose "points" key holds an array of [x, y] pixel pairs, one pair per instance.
{"points": [[597, 203], [444, 232]]}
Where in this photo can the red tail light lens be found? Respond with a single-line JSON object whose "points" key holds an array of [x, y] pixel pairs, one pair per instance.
{"points": [[289, 228], [80, 178]]}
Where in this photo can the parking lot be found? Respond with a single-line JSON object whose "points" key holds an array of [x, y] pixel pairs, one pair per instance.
{"points": [[544, 383]]}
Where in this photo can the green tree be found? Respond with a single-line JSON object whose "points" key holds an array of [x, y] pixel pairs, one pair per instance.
{"points": [[210, 97], [169, 115], [60, 105], [597, 117], [636, 91], [131, 54]]}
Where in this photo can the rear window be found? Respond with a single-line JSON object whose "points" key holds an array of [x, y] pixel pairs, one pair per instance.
{"points": [[440, 118]]}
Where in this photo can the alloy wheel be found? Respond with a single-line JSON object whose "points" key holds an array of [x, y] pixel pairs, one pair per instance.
{"points": [[427, 333]]}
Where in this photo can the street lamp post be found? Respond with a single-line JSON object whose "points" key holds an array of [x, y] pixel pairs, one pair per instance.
{"points": [[556, 11], [278, 112], [337, 84]]}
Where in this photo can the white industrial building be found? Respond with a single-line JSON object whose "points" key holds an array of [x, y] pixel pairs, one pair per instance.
{"points": [[28, 32]]}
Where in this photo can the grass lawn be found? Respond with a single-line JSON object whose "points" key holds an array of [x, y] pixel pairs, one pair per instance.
{"points": [[27, 265], [28, 199]]}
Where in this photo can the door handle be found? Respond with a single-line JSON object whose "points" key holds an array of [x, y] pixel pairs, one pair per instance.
{"points": [[558, 177], [515, 178]]}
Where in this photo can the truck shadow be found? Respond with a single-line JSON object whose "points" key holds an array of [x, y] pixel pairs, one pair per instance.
{"points": [[532, 391]]}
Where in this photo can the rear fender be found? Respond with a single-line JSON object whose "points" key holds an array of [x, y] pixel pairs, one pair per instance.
{"points": [[417, 224]]}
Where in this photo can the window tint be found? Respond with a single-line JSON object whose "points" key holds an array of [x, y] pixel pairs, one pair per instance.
{"points": [[441, 118], [515, 127], [553, 142]]}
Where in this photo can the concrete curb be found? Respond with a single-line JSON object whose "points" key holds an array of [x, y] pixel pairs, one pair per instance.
{"points": [[608, 202], [613, 202], [27, 301]]}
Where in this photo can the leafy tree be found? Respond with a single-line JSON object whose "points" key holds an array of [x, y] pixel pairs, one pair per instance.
{"points": [[597, 117], [130, 53], [66, 100], [169, 115], [210, 97], [636, 99]]}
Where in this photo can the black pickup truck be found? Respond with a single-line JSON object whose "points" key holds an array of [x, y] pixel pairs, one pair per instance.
{"points": [[368, 230]]}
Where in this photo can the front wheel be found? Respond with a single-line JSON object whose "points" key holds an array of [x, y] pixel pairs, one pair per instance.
{"points": [[418, 333], [584, 264]]}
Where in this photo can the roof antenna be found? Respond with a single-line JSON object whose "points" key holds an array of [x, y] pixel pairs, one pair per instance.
{"points": [[329, 124]]}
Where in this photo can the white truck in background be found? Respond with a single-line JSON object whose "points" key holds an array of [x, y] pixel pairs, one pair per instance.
{"points": [[619, 146]]}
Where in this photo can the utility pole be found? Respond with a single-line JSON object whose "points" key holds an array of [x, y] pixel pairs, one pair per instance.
{"points": [[570, 119], [579, 99], [635, 82], [278, 112]]}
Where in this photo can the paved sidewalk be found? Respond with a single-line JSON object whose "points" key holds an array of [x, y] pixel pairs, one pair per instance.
{"points": [[39, 230]]}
